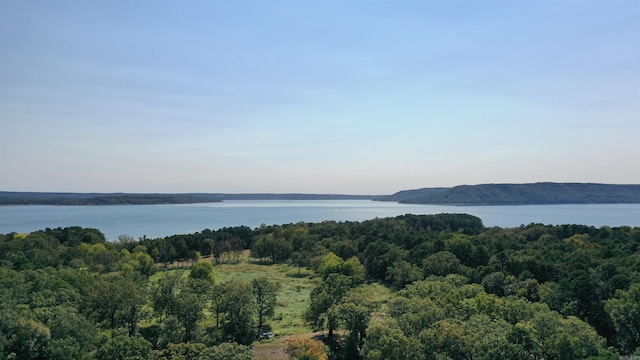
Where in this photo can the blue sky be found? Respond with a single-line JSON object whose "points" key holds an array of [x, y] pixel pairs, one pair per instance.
{"points": [[357, 97]]}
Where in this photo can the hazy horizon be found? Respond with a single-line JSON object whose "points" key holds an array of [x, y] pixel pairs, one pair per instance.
{"points": [[354, 97]]}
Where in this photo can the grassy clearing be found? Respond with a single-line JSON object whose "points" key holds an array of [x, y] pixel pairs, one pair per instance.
{"points": [[293, 300], [379, 295]]}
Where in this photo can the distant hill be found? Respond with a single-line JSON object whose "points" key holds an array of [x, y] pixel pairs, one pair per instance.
{"points": [[401, 196], [43, 198], [485, 194], [38, 198], [267, 196], [529, 194]]}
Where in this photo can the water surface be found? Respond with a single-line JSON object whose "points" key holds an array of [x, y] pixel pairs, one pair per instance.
{"points": [[163, 220]]}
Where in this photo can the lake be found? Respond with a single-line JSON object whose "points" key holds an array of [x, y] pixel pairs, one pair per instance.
{"points": [[163, 220]]}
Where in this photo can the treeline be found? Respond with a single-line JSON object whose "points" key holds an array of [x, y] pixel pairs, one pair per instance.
{"points": [[70, 294], [101, 199], [519, 194], [461, 291], [76, 199], [404, 195]]}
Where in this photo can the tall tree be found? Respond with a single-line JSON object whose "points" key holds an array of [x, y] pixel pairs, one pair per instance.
{"points": [[330, 292], [124, 347], [227, 351], [188, 309], [385, 341], [355, 316], [116, 300], [165, 292], [240, 306], [201, 279], [218, 301], [266, 293], [624, 310]]}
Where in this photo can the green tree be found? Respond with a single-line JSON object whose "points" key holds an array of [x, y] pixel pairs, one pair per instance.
{"points": [[261, 248], [353, 269], [165, 292], [143, 263], [201, 279], [188, 310], [202, 271], [300, 259], [330, 264], [208, 245], [445, 338], [266, 293], [402, 273], [227, 351], [624, 310], [334, 264], [170, 332], [240, 307], [354, 313], [29, 339], [441, 263], [124, 348], [78, 332], [494, 283], [182, 299], [386, 341], [568, 338], [330, 292], [461, 247], [123, 304], [182, 351], [218, 301]]}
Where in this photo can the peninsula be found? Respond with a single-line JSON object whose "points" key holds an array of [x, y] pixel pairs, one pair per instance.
{"points": [[544, 193], [56, 198]]}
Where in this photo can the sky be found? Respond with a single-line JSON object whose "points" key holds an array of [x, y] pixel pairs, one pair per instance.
{"points": [[343, 97]]}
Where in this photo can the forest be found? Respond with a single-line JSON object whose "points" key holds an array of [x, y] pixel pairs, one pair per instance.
{"points": [[519, 194], [84, 199], [483, 194], [410, 287]]}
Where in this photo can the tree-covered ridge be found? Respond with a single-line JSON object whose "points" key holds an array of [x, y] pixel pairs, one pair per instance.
{"points": [[403, 195], [520, 194], [459, 291], [77, 199], [485, 194], [74, 199]]}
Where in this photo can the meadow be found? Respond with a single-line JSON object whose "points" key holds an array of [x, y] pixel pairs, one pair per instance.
{"points": [[293, 299]]}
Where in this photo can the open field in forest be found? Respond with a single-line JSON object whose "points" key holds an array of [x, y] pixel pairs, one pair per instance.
{"points": [[403, 287], [293, 300], [293, 297]]}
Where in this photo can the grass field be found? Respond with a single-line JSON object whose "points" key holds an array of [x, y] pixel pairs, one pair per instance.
{"points": [[292, 302]]}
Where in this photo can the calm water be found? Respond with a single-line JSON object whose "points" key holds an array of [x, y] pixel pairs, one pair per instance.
{"points": [[163, 220]]}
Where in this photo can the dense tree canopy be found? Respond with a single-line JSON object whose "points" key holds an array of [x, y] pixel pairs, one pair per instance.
{"points": [[460, 291]]}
